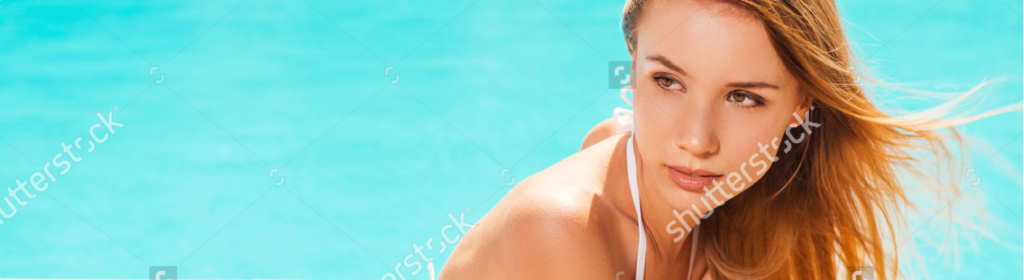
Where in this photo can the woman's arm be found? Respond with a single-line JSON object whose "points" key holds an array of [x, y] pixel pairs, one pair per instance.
{"points": [[601, 131]]}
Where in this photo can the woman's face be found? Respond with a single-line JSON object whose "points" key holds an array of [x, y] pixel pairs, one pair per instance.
{"points": [[711, 95]]}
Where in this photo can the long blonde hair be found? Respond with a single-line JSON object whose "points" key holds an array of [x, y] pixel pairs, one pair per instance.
{"points": [[837, 199]]}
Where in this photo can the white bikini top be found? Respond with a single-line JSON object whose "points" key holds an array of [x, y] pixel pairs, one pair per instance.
{"points": [[625, 119]]}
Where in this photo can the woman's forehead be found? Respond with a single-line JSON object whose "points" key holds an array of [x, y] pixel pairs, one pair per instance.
{"points": [[712, 38]]}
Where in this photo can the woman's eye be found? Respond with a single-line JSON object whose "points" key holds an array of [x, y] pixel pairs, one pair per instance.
{"points": [[744, 99], [667, 83]]}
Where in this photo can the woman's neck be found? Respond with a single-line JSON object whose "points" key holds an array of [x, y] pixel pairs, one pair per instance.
{"points": [[664, 257]]}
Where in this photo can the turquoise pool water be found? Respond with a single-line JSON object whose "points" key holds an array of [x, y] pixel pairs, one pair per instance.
{"points": [[373, 169]]}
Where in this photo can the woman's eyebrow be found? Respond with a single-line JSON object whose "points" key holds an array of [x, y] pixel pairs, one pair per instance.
{"points": [[752, 85], [667, 63]]}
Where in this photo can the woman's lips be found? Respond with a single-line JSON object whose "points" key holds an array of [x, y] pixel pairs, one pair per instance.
{"points": [[690, 179]]}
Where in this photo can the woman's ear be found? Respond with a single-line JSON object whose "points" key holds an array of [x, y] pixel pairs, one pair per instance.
{"points": [[801, 110]]}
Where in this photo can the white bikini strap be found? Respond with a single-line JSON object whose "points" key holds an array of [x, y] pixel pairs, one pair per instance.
{"points": [[641, 255], [693, 251]]}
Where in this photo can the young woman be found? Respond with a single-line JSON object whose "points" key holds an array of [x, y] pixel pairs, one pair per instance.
{"points": [[748, 108]]}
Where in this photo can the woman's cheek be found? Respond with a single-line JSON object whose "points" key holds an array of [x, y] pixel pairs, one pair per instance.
{"points": [[750, 153], [652, 124]]}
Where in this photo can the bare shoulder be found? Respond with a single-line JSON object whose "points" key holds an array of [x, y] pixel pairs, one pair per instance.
{"points": [[600, 132], [548, 226]]}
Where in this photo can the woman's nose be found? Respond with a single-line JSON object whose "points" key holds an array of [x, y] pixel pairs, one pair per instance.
{"points": [[697, 133]]}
